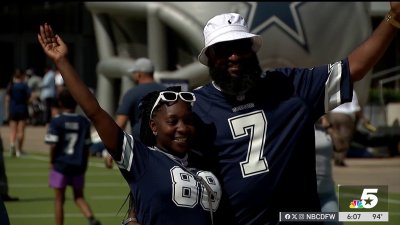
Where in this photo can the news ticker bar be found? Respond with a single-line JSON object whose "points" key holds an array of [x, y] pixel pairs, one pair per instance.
{"points": [[334, 216]]}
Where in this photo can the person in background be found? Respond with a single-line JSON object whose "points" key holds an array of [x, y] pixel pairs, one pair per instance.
{"points": [[257, 126], [3, 178], [142, 74], [17, 99], [68, 135], [344, 119], [4, 220], [162, 172], [324, 153], [33, 81], [35, 105], [59, 82], [4, 197], [48, 93]]}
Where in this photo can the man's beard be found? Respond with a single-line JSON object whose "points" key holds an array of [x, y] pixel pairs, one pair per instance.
{"points": [[238, 85]]}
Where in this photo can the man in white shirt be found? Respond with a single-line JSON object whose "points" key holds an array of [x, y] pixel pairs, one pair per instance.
{"points": [[344, 119]]}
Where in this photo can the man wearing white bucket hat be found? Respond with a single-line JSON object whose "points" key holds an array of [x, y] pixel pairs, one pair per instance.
{"points": [[259, 125]]}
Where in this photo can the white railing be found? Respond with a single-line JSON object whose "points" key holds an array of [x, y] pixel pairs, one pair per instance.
{"points": [[382, 81]]}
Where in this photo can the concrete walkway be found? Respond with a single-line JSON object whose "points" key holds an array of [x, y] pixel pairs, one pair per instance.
{"points": [[360, 171], [370, 171], [34, 139]]}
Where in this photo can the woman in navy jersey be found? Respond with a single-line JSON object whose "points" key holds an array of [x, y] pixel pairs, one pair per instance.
{"points": [[166, 187], [17, 98]]}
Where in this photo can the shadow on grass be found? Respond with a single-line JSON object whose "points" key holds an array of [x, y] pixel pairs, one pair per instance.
{"points": [[34, 199]]}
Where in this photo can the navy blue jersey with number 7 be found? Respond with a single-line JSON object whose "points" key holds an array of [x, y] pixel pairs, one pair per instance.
{"points": [[70, 132], [262, 144]]}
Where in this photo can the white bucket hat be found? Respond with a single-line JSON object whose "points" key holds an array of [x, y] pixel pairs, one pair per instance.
{"points": [[226, 27]]}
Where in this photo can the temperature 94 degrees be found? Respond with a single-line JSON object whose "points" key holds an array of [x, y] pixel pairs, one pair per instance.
{"points": [[377, 216]]}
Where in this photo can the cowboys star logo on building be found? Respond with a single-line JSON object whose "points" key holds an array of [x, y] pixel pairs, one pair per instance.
{"points": [[284, 15]]}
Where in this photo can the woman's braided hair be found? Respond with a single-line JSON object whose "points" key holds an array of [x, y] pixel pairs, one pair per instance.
{"points": [[145, 106], [146, 134]]}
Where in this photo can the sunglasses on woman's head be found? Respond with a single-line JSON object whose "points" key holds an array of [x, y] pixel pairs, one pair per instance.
{"points": [[172, 96]]}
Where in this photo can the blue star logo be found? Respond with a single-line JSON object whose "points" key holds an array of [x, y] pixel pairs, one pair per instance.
{"points": [[284, 15]]}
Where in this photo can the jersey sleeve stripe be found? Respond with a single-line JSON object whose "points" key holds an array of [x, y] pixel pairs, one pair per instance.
{"points": [[332, 86], [51, 138], [127, 153]]}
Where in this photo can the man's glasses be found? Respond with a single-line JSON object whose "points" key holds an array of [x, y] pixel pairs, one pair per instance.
{"points": [[172, 96], [227, 48]]}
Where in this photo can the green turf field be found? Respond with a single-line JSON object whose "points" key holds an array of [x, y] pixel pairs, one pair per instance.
{"points": [[105, 191]]}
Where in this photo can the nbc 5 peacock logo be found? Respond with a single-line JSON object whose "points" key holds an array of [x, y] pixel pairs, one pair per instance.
{"points": [[368, 199]]}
